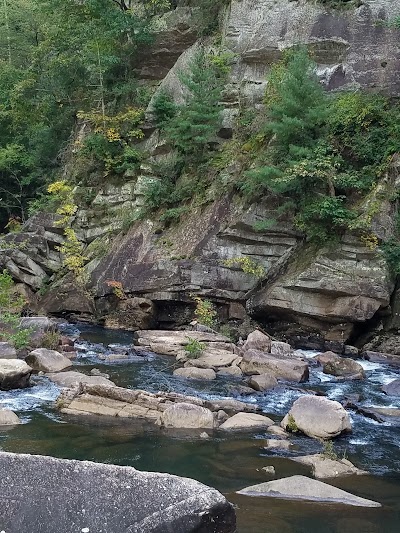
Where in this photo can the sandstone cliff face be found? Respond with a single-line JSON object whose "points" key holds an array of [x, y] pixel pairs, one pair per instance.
{"points": [[326, 292]]}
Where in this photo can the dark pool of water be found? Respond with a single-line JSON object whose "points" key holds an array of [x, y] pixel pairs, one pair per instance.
{"points": [[228, 463]]}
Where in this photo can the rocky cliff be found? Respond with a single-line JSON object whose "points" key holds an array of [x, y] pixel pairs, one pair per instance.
{"points": [[311, 296]]}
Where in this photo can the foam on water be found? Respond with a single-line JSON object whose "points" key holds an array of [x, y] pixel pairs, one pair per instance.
{"points": [[43, 392]]}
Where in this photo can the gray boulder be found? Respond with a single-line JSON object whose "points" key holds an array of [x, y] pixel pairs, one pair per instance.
{"points": [[187, 416], [287, 368], [7, 351], [280, 348], [317, 417], [257, 341], [36, 323], [247, 421], [73, 379], [84, 496], [47, 360], [341, 367], [392, 388], [263, 382], [304, 488], [8, 418], [14, 374], [195, 373], [324, 467]]}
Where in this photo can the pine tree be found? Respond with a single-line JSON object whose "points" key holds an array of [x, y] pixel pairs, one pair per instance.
{"points": [[196, 122]]}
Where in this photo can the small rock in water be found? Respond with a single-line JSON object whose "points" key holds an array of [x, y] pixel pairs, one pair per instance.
{"points": [[204, 435], [278, 444], [97, 372], [269, 470]]}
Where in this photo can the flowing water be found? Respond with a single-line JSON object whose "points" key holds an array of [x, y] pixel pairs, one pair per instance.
{"points": [[226, 462]]}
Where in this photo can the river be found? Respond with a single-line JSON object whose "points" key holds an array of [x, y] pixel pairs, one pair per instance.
{"points": [[226, 462]]}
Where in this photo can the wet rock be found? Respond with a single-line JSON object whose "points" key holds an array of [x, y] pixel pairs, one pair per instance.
{"points": [[188, 416], [8, 418], [73, 379], [323, 467], [239, 390], [47, 360], [230, 371], [213, 358], [7, 351], [14, 374], [97, 372], [231, 406], [350, 351], [257, 340], [263, 382], [114, 499], [195, 373], [280, 348], [304, 488], [277, 430], [270, 470], [380, 357], [341, 367], [392, 388], [278, 444], [286, 368], [246, 421], [317, 417]]}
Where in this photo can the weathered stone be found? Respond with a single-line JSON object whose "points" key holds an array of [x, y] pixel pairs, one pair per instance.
{"points": [[246, 421], [392, 388], [318, 417], [277, 430], [14, 374], [47, 360], [7, 351], [188, 416], [342, 367], [231, 406], [379, 357], [102, 498], [213, 358], [351, 351], [258, 341], [280, 444], [280, 348], [304, 488], [73, 379], [287, 368], [323, 467], [263, 382], [132, 314], [195, 373], [230, 371], [37, 323], [8, 418]]}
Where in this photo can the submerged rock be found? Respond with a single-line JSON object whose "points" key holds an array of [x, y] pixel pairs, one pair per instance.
{"points": [[47, 360], [323, 467], [102, 498], [304, 488], [14, 374], [317, 417]]}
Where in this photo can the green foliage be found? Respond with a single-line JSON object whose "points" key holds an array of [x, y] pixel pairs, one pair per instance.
{"points": [[291, 425], [50, 340], [391, 253], [205, 312], [194, 348], [247, 265], [173, 215], [11, 305], [328, 451], [164, 108]]}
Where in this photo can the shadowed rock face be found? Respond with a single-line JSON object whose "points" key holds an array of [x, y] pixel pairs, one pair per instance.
{"points": [[85, 496]]}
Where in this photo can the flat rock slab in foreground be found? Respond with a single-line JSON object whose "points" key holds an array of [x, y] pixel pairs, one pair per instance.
{"points": [[304, 488], [99, 498]]}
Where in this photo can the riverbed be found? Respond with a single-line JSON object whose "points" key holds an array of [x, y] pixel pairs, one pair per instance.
{"points": [[228, 462]]}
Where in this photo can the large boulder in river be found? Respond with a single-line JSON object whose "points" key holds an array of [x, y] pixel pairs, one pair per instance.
{"points": [[324, 467], [247, 421], [73, 379], [213, 358], [286, 368], [75, 496], [14, 374], [187, 416], [341, 367], [318, 417], [47, 360], [257, 340], [392, 388], [263, 382], [304, 488], [8, 418]]}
